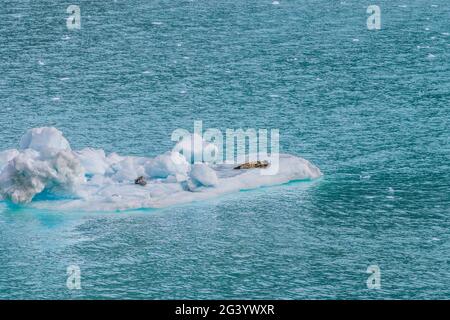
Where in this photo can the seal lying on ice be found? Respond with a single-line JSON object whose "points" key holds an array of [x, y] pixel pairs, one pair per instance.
{"points": [[252, 165], [140, 181]]}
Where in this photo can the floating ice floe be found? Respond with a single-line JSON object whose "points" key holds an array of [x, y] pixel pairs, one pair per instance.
{"points": [[46, 173]]}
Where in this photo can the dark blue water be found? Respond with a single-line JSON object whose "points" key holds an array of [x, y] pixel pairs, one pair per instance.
{"points": [[370, 108]]}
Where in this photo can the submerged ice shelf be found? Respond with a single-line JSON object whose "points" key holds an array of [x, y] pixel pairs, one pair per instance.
{"points": [[90, 180]]}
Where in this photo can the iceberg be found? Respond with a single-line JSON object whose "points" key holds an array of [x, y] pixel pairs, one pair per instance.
{"points": [[202, 175], [31, 172], [45, 140], [91, 180], [168, 164]]}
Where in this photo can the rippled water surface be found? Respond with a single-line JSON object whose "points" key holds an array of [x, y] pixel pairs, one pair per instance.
{"points": [[370, 108]]}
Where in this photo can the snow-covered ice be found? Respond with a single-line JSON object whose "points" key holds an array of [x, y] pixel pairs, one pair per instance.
{"points": [[90, 180]]}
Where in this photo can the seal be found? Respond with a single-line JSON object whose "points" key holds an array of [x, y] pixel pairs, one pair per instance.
{"points": [[140, 181], [253, 165]]}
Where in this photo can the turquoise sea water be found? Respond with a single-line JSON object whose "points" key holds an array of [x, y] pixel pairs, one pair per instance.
{"points": [[370, 108]]}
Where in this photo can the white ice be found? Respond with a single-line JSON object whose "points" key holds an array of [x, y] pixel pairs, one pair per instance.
{"points": [[90, 180]]}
